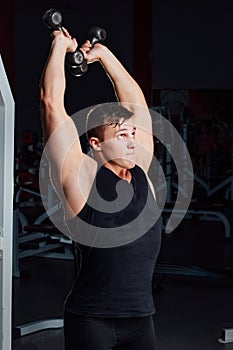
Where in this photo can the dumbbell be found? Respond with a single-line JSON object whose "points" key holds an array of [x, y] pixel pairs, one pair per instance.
{"points": [[95, 35], [52, 19]]}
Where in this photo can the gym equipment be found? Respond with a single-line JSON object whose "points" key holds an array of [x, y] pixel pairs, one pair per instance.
{"points": [[95, 35], [6, 211], [208, 210], [37, 326], [227, 336], [204, 212], [32, 230], [48, 239], [29, 138], [52, 19]]}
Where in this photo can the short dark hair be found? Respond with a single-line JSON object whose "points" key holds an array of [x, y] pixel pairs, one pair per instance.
{"points": [[103, 115]]}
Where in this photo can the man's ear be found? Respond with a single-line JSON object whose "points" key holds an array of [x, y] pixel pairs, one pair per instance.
{"points": [[95, 144]]}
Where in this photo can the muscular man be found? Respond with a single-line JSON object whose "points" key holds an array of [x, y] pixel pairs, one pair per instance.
{"points": [[111, 304]]}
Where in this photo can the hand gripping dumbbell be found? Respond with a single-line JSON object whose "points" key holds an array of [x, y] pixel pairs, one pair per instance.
{"points": [[52, 19], [95, 35]]}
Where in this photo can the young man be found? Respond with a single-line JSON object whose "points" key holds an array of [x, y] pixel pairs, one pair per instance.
{"points": [[111, 304]]}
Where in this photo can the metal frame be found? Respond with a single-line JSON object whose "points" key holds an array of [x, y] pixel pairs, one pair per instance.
{"points": [[7, 109]]}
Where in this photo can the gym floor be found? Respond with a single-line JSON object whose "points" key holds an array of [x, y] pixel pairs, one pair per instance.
{"points": [[191, 310]]}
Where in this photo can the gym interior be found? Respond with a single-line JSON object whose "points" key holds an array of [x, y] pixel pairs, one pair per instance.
{"points": [[181, 55]]}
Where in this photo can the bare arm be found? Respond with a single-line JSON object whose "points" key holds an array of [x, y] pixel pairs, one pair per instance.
{"points": [[53, 83], [71, 171], [131, 96]]}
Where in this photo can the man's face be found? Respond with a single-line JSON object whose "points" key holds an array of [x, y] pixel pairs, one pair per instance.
{"points": [[119, 145]]}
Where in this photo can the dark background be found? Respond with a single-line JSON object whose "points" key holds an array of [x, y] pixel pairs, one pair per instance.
{"points": [[27, 45], [182, 49], [165, 44]]}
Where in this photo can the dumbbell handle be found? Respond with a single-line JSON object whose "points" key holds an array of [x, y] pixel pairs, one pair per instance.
{"points": [[95, 35], [52, 19]]}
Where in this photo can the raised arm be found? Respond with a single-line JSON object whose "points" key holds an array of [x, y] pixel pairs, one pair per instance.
{"points": [[68, 164], [130, 94], [53, 84]]}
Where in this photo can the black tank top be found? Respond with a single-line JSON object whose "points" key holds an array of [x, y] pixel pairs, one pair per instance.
{"points": [[117, 281]]}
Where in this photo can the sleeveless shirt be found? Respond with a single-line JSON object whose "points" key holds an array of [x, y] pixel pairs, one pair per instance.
{"points": [[117, 281]]}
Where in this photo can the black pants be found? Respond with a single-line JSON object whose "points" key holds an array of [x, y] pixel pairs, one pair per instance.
{"points": [[87, 333]]}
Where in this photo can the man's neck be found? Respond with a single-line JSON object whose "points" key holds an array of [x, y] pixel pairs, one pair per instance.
{"points": [[123, 173]]}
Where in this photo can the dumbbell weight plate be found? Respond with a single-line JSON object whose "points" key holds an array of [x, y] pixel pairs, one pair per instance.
{"points": [[75, 58], [78, 71], [52, 19], [97, 34]]}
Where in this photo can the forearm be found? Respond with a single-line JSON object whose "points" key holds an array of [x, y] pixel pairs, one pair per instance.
{"points": [[126, 88], [130, 93], [52, 85], [52, 109]]}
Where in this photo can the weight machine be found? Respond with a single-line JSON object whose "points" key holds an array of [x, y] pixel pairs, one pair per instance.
{"points": [[203, 211]]}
